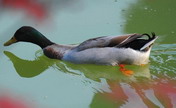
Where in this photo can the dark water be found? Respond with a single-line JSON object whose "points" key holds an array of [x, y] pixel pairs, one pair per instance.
{"points": [[34, 79]]}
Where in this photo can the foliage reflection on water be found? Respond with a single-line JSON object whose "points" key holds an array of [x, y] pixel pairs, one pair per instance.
{"points": [[151, 86]]}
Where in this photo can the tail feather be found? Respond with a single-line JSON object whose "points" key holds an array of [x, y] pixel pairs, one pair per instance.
{"points": [[137, 42], [149, 43]]}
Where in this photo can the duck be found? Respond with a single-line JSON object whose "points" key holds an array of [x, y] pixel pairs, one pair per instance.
{"points": [[128, 49]]}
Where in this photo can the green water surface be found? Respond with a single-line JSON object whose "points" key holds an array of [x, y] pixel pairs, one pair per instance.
{"points": [[46, 83]]}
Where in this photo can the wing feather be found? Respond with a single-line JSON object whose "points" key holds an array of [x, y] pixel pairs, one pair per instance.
{"points": [[93, 43], [106, 41]]}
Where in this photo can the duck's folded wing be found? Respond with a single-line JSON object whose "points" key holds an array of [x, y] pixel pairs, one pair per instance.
{"points": [[94, 43], [107, 41]]}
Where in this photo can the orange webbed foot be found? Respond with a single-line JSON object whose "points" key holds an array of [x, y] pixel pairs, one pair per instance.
{"points": [[125, 71], [142, 65]]}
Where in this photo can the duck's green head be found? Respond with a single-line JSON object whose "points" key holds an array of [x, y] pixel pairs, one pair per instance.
{"points": [[29, 34]]}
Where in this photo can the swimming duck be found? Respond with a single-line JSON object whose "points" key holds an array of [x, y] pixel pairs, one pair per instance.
{"points": [[106, 50]]}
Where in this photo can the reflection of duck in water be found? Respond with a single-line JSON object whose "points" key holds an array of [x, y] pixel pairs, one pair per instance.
{"points": [[121, 87], [26, 68], [107, 50]]}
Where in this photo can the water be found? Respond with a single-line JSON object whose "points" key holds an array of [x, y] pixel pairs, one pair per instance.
{"points": [[40, 82]]}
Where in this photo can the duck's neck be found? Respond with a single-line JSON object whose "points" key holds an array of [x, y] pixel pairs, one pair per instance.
{"points": [[43, 42], [40, 40]]}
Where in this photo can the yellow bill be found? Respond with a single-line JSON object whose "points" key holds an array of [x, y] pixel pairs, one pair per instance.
{"points": [[11, 41]]}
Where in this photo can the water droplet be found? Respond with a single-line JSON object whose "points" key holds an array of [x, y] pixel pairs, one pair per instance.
{"points": [[172, 32], [130, 15], [146, 8]]}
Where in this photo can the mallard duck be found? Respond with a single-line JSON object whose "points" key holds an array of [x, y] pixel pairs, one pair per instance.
{"points": [[107, 50]]}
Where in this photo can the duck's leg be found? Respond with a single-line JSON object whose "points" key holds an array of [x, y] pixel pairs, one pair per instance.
{"points": [[125, 71], [142, 64]]}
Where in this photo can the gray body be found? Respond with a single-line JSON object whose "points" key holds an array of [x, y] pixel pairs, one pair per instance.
{"points": [[97, 51]]}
